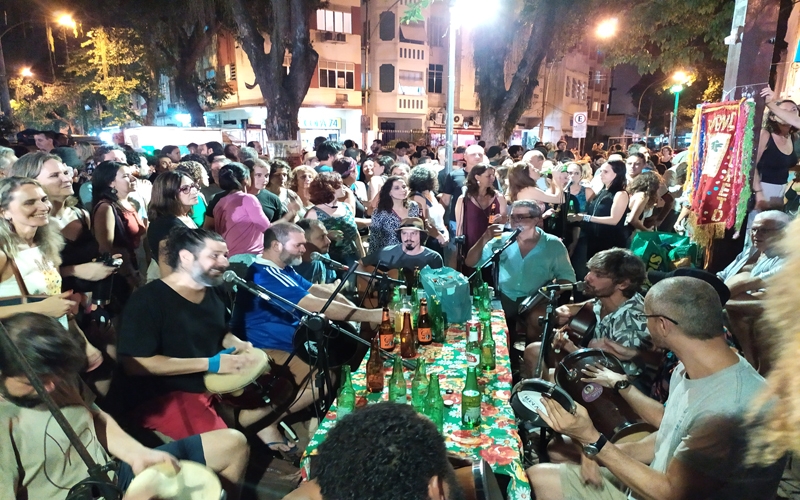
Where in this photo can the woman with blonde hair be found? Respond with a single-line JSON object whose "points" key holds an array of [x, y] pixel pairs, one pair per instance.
{"points": [[7, 158], [299, 183]]}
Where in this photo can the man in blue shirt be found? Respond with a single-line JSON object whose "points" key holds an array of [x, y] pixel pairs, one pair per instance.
{"points": [[317, 241], [271, 325], [534, 260]]}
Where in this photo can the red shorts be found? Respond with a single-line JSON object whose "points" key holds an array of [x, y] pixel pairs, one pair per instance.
{"points": [[180, 414]]}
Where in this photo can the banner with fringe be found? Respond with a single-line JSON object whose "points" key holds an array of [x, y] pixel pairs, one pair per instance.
{"points": [[721, 154]]}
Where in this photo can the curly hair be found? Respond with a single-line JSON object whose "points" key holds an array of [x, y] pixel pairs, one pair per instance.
{"points": [[48, 238], [323, 188], [647, 183], [472, 182], [294, 179], [422, 179], [398, 452], [192, 169], [385, 202], [620, 264], [777, 409]]}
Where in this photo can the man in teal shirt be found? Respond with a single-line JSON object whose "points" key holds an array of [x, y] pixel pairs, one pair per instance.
{"points": [[534, 260]]}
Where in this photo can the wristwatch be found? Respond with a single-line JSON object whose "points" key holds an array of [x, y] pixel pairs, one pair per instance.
{"points": [[592, 449], [622, 384]]}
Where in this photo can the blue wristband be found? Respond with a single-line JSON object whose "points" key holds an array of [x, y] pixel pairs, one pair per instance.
{"points": [[213, 362]]}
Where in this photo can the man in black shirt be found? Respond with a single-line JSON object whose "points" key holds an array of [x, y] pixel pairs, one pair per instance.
{"points": [[173, 331], [409, 254]]}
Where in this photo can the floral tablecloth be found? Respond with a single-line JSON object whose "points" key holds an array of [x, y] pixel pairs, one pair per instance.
{"points": [[497, 442]]}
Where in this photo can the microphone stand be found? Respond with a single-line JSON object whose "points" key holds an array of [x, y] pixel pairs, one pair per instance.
{"points": [[548, 322], [98, 474], [494, 259]]}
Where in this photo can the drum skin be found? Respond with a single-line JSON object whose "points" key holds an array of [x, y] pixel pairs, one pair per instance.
{"points": [[262, 385], [476, 479], [526, 399], [609, 411]]}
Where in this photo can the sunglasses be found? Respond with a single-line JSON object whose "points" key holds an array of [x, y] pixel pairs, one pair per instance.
{"points": [[520, 218], [188, 188]]}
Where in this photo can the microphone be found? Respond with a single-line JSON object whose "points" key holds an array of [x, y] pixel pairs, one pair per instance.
{"points": [[316, 256], [565, 287], [231, 277], [514, 235]]}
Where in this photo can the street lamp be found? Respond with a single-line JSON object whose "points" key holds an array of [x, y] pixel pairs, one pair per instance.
{"points": [[26, 72], [681, 79], [607, 28], [67, 21], [461, 13]]}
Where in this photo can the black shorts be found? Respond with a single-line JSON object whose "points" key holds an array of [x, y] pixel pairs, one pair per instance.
{"points": [[190, 449]]}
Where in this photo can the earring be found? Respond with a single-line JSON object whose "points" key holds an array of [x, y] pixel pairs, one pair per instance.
{"points": [[113, 191]]}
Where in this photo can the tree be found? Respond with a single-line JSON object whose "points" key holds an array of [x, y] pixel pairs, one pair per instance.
{"points": [[47, 106], [285, 23]]}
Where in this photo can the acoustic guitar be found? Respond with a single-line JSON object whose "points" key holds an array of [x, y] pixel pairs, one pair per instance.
{"points": [[372, 300], [579, 330]]}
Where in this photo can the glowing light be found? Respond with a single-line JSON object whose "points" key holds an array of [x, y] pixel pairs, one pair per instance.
{"points": [[106, 137], [676, 88], [66, 20], [680, 77], [26, 72], [185, 119], [607, 28], [471, 13]]}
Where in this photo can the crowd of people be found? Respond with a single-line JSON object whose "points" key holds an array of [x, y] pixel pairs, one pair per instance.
{"points": [[111, 284]]}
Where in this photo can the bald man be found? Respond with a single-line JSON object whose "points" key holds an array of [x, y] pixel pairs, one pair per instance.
{"points": [[699, 448]]}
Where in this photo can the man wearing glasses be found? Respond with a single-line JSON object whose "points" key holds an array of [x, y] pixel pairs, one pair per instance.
{"points": [[700, 446], [534, 260], [614, 280]]}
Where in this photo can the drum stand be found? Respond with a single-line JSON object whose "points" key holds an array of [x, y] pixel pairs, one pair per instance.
{"points": [[547, 322], [98, 482]]}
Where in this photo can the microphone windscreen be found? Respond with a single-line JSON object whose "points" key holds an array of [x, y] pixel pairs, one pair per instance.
{"points": [[315, 256], [580, 286], [229, 276]]}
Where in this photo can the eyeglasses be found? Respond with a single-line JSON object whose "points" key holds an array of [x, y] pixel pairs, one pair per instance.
{"points": [[662, 316], [520, 218], [188, 188], [755, 230]]}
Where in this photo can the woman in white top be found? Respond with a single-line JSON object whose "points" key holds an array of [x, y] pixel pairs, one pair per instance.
{"points": [[643, 192], [423, 184], [30, 255]]}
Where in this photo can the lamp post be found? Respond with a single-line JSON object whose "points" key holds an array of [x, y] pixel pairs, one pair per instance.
{"points": [[681, 79], [461, 11]]}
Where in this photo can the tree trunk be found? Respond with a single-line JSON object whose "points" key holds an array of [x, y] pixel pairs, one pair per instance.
{"points": [[187, 90], [282, 93], [501, 105]]}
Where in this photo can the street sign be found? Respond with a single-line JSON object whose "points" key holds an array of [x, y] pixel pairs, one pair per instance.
{"points": [[579, 125]]}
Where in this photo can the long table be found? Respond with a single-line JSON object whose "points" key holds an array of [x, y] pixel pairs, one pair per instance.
{"points": [[497, 442]]}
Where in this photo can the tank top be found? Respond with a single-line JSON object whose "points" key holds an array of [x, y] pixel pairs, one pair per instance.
{"points": [[476, 220], [774, 165]]}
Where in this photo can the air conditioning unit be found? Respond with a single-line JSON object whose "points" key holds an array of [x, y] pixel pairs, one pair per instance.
{"points": [[458, 119], [438, 118], [330, 36]]}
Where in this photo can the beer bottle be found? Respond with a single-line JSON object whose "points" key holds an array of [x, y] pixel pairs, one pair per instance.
{"points": [[386, 331], [424, 328], [434, 403], [398, 310], [419, 387], [346, 402], [397, 384], [408, 348], [488, 350], [471, 401], [485, 306], [473, 351], [375, 367]]}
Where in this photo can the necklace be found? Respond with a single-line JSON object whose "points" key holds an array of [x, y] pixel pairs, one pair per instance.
{"points": [[334, 206]]}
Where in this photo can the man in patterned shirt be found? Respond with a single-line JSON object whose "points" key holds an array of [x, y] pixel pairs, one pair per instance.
{"points": [[614, 279]]}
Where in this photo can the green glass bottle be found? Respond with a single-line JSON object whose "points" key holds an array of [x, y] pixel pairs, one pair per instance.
{"points": [[485, 304], [434, 403], [419, 387], [471, 401], [346, 402], [397, 384], [473, 351], [488, 347]]}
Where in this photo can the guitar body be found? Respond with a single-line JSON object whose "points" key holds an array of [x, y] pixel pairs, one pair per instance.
{"points": [[579, 330], [371, 301]]}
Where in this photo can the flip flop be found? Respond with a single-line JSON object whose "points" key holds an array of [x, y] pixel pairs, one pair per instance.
{"points": [[292, 455]]}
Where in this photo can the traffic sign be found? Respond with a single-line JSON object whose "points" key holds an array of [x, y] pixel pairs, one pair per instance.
{"points": [[579, 125]]}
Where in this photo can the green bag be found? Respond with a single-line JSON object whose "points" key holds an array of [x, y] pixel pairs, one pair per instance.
{"points": [[453, 290], [660, 250]]}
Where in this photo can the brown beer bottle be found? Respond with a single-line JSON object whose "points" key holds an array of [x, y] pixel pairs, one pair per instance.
{"points": [[386, 331], [424, 332], [375, 367], [408, 349]]}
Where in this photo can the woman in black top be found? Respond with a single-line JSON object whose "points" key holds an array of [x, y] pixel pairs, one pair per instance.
{"points": [[776, 155], [174, 195], [604, 220]]}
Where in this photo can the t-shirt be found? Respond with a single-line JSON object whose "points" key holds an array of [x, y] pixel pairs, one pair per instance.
{"points": [[703, 428], [519, 277], [37, 461], [238, 217], [393, 257], [453, 184], [269, 325], [271, 204], [316, 272], [157, 320], [159, 229]]}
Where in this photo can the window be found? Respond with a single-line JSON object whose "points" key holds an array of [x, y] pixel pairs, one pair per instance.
{"points": [[410, 77], [334, 21], [437, 28], [337, 75], [435, 78], [413, 32], [418, 54], [386, 77], [387, 23], [567, 86]]}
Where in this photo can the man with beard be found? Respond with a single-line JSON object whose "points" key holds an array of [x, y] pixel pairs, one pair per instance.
{"points": [[37, 461], [271, 325], [378, 438], [614, 279], [172, 332], [317, 240], [410, 254], [699, 450]]}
